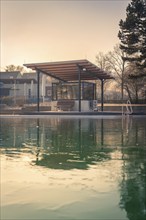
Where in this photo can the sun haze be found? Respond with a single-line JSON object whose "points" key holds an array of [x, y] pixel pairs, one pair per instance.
{"points": [[43, 31]]}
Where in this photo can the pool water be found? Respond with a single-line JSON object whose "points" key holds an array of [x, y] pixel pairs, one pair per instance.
{"points": [[73, 168]]}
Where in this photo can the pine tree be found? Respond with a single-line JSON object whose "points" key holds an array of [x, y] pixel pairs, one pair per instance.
{"points": [[132, 34]]}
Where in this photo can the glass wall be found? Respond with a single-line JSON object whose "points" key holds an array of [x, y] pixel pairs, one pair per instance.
{"points": [[71, 91]]}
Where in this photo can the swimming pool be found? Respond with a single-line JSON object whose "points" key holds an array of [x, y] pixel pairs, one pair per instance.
{"points": [[73, 168]]}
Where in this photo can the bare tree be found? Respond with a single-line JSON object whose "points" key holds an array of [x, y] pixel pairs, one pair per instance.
{"points": [[101, 61], [114, 63]]}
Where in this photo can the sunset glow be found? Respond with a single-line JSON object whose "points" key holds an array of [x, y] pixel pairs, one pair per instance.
{"points": [[43, 31]]}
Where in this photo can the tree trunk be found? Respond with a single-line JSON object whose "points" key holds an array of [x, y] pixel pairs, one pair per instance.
{"points": [[129, 94], [136, 93]]}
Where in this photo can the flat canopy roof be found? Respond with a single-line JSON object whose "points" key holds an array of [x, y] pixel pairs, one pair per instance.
{"points": [[69, 70]]}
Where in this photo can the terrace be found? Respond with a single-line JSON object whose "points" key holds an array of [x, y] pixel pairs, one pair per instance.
{"points": [[77, 75]]}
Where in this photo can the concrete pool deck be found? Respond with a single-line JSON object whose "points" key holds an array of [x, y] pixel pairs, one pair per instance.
{"points": [[72, 114], [80, 113], [109, 109]]}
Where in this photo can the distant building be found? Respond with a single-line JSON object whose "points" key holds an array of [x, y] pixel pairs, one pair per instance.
{"points": [[16, 85]]}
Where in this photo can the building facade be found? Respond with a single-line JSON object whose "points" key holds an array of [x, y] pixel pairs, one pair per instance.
{"points": [[16, 86]]}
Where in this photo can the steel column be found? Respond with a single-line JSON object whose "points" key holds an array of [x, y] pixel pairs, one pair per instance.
{"points": [[102, 94], [38, 91], [95, 96], [79, 88]]}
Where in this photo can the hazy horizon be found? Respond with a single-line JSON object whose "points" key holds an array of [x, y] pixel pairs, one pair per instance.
{"points": [[44, 31]]}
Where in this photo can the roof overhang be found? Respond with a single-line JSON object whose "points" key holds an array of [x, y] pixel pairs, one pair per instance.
{"points": [[69, 70]]}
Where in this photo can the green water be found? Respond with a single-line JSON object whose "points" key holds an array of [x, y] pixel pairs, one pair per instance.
{"points": [[73, 168]]}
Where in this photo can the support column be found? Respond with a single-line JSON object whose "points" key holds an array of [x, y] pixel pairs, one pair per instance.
{"points": [[38, 91], [31, 89], [79, 88], [95, 96], [102, 94], [102, 133]]}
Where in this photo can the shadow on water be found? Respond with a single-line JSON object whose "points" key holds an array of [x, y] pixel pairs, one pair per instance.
{"points": [[67, 144]]}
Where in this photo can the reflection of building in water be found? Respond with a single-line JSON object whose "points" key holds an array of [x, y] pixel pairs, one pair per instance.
{"points": [[106, 132], [70, 135], [67, 143]]}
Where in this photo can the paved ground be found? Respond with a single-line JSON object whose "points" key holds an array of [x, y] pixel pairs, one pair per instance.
{"points": [[109, 109]]}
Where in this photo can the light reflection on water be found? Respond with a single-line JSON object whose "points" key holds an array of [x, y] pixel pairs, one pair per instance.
{"points": [[65, 168]]}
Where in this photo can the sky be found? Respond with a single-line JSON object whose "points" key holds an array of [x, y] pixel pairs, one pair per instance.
{"points": [[49, 30]]}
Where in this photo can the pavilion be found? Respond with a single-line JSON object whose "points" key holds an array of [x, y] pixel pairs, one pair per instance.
{"points": [[71, 71]]}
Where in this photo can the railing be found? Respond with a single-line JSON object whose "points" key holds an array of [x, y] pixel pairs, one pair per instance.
{"points": [[127, 121], [129, 109]]}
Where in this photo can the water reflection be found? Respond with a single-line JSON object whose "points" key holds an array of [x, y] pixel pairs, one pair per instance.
{"points": [[67, 144], [133, 183]]}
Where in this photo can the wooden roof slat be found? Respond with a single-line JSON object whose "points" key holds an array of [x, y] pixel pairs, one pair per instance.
{"points": [[69, 70], [84, 75], [59, 63]]}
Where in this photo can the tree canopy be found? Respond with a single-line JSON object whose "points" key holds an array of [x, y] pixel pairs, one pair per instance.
{"points": [[132, 34], [11, 68]]}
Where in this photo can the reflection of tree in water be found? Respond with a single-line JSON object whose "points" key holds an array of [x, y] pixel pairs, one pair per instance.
{"points": [[72, 160], [80, 143], [133, 185], [73, 146]]}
